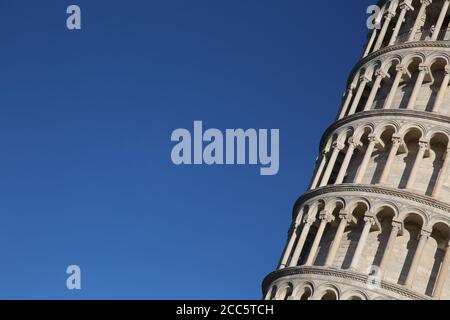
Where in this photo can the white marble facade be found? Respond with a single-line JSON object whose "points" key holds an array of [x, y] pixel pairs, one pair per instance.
{"points": [[375, 223]]}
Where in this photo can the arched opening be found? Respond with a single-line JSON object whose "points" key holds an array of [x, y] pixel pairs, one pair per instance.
{"points": [[307, 293], [386, 85], [318, 208], [285, 292], [368, 88], [405, 161], [303, 213], [353, 234], [380, 155], [431, 89], [329, 295], [406, 87], [432, 165], [325, 174], [385, 217], [393, 7], [343, 139], [410, 19], [328, 236], [271, 293], [358, 155], [433, 257], [406, 246], [445, 29], [428, 25]]}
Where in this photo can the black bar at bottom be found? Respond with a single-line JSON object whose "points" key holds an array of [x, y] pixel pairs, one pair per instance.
{"points": [[162, 309]]}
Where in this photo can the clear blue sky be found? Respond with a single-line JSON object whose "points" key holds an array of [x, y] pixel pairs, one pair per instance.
{"points": [[85, 122]]}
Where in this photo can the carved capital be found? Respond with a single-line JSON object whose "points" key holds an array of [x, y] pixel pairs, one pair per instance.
{"points": [[355, 144], [338, 145], [389, 15], [364, 79], [326, 216], [424, 234], [423, 145], [382, 74], [351, 140], [309, 220], [372, 138], [406, 5], [344, 215], [447, 245], [401, 68], [424, 68], [396, 140], [447, 70], [369, 219], [396, 226]]}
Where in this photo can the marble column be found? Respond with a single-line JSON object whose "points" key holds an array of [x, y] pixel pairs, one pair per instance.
{"points": [[352, 145], [440, 20], [423, 71], [337, 147], [289, 246], [442, 90], [347, 101], [396, 227], [319, 171], [387, 20], [423, 238], [380, 75], [396, 142], [405, 7], [401, 70], [369, 222], [421, 13], [443, 273], [337, 239], [423, 146], [325, 219], [442, 177], [371, 42], [308, 222], [363, 167], [362, 85]]}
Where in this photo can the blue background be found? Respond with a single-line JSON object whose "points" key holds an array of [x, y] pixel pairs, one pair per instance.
{"points": [[85, 122]]}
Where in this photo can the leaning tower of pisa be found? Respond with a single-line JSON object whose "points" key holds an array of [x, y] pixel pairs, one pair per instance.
{"points": [[375, 222]]}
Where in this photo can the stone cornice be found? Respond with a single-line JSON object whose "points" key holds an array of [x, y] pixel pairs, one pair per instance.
{"points": [[380, 113], [406, 45], [343, 274], [392, 192]]}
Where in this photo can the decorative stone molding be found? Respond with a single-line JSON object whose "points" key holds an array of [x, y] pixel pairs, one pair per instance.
{"points": [[375, 116], [389, 289], [420, 200], [423, 45]]}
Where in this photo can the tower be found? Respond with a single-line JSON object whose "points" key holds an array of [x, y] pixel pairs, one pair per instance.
{"points": [[375, 223]]}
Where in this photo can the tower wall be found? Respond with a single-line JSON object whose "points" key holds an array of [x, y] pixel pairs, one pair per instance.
{"points": [[375, 223]]}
